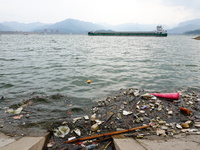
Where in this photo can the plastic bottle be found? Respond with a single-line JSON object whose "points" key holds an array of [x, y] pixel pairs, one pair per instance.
{"points": [[92, 146]]}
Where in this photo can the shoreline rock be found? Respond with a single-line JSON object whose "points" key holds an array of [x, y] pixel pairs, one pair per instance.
{"points": [[197, 38]]}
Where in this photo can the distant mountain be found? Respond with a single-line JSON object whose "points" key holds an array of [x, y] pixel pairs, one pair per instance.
{"points": [[73, 26], [70, 26], [5, 28], [186, 26], [16, 26], [193, 32], [82, 27]]}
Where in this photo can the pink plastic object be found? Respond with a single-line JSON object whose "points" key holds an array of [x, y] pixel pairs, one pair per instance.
{"points": [[167, 95]]}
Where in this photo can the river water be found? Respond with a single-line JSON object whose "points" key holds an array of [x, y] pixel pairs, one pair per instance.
{"points": [[34, 65]]}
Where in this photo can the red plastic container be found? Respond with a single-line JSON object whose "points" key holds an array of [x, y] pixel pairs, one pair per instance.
{"points": [[174, 96]]}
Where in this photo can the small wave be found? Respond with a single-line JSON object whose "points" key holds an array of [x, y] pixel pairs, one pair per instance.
{"points": [[4, 59], [6, 85]]}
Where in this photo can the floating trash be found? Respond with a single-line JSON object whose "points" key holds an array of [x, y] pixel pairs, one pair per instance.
{"points": [[50, 144], [178, 126], [148, 96], [136, 92], [160, 132], [17, 111], [18, 117], [185, 110], [77, 131], [88, 81], [94, 127], [197, 124], [126, 110], [76, 119], [185, 125], [62, 131], [173, 96], [93, 117], [86, 117], [170, 112], [71, 138], [125, 113]]}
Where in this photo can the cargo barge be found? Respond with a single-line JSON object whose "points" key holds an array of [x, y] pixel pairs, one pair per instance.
{"points": [[159, 32]]}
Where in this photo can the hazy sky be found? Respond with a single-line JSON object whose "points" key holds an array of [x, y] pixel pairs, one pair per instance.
{"points": [[169, 12]]}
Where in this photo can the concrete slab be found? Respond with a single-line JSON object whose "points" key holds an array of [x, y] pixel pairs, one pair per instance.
{"points": [[122, 143], [178, 142], [127, 144], [5, 140], [25, 143]]}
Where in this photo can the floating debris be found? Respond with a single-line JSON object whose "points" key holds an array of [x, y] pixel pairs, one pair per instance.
{"points": [[185, 110], [16, 111], [185, 125], [136, 92], [50, 144], [93, 117], [160, 132], [18, 117], [77, 131], [88, 81], [94, 127], [62, 131], [170, 112], [125, 113], [174, 96], [126, 110], [148, 96], [86, 117], [178, 126], [197, 124], [76, 119], [71, 138]]}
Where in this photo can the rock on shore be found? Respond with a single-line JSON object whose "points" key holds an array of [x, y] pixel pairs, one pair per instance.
{"points": [[197, 38]]}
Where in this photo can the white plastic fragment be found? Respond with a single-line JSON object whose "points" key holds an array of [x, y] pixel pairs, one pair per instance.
{"points": [[98, 121], [77, 131], [125, 113], [170, 112], [86, 117], [136, 92], [160, 132], [178, 126], [93, 117], [142, 111], [76, 119], [189, 130], [197, 124], [71, 138], [149, 96]]}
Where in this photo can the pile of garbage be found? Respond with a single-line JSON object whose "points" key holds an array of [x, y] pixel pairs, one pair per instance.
{"points": [[133, 112]]}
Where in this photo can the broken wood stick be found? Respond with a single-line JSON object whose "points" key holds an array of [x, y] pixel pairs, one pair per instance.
{"points": [[106, 134]]}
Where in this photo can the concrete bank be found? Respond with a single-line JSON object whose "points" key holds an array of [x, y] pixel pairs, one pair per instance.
{"points": [[178, 142], [22, 143]]}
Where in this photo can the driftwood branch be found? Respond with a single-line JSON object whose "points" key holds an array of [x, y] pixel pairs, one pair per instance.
{"points": [[106, 134]]}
